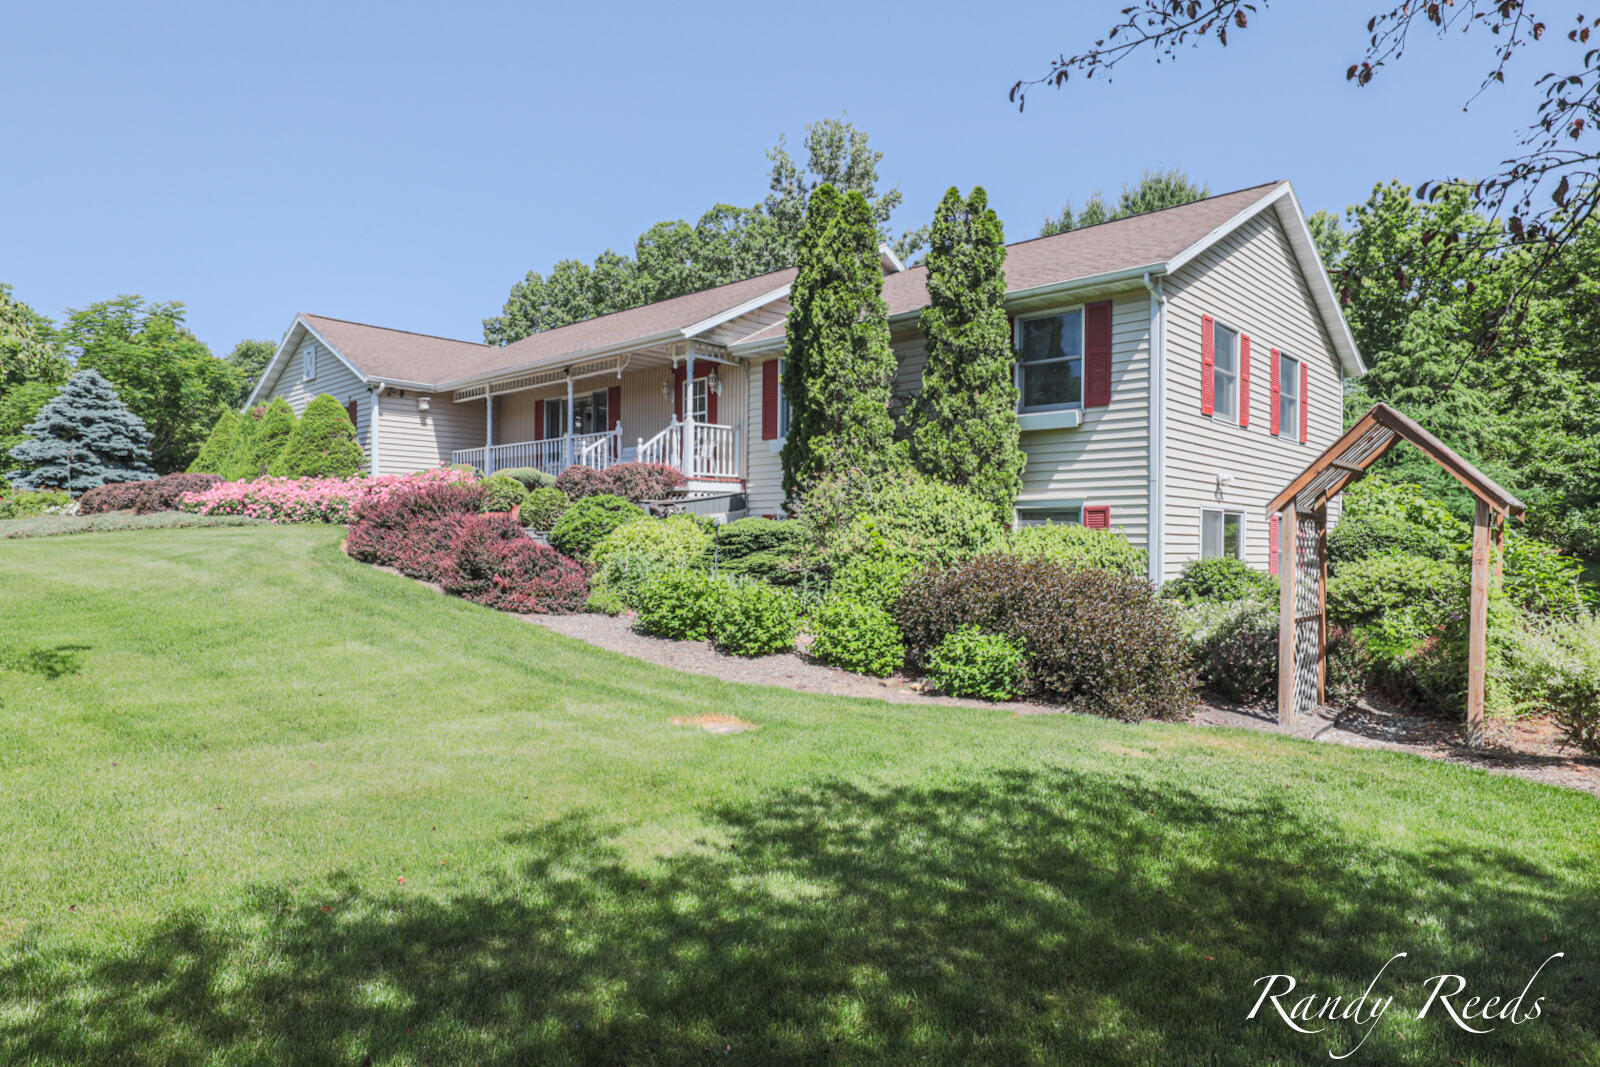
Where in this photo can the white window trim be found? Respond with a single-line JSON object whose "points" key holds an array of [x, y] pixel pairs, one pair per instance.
{"points": [[777, 443], [1244, 530], [1238, 374], [308, 361], [1016, 353], [1044, 505], [1292, 436]]}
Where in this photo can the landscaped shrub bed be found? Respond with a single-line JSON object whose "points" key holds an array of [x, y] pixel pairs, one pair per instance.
{"points": [[1220, 580], [857, 637], [543, 507], [413, 530], [766, 550], [639, 482], [1078, 546], [492, 562], [635, 552], [502, 493], [1092, 637], [680, 605], [157, 494], [333, 500], [579, 482], [586, 523], [971, 663], [902, 516], [1234, 645], [26, 503], [754, 619]]}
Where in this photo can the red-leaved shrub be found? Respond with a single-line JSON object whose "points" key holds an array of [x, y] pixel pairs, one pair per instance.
{"points": [[1093, 637], [492, 562], [412, 531], [156, 494], [578, 482], [637, 482], [426, 501]]}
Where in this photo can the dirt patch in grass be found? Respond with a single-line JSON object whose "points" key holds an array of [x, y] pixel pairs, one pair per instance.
{"points": [[714, 723]]}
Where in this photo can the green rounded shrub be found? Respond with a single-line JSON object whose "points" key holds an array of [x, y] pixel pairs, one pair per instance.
{"points": [[26, 503], [1235, 646], [681, 605], [1220, 580], [873, 576], [1381, 518], [756, 620], [857, 637], [971, 663], [213, 455], [1400, 598], [501, 493], [264, 433], [543, 507], [917, 519], [632, 554], [321, 445], [530, 478], [761, 549], [1078, 546], [585, 524]]}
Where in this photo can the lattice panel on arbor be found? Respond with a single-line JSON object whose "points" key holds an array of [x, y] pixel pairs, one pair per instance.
{"points": [[1307, 613]]}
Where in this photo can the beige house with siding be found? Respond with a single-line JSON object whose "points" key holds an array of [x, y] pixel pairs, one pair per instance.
{"points": [[1176, 369]]}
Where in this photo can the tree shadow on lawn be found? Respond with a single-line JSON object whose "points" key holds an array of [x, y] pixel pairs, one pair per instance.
{"points": [[1043, 916]]}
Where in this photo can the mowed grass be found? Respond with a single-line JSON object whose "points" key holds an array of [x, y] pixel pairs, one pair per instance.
{"points": [[274, 806]]}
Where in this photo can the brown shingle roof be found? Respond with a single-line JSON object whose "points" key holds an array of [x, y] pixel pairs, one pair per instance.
{"points": [[1122, 244], [1137, 241], [400, 355]]}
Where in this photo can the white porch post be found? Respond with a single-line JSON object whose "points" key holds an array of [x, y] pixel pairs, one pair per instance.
{"points": [[568, 445], [688, 416], [488, 433]]}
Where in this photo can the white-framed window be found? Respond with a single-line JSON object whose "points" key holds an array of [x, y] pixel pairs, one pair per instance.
{"points": [[1221, 533], [1288, 396], [1225, 372], [308, 361], [695, 399], [1050, 361], [1049, 514], [783, 403]]}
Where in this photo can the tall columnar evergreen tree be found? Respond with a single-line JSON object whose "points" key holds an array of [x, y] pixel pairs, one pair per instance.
{"points": [[214, 453], [963, 425], [839, 367], [323, 444], [83, 439], [264, 431]]}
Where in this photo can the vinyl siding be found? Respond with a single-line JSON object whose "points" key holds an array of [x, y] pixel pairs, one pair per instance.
{"points": [[333, 377], [1252, 282], [411, 440], [763, 464], [1103, 461]]}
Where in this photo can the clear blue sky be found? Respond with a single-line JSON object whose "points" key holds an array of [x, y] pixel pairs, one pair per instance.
{"points": [[403, 164]]}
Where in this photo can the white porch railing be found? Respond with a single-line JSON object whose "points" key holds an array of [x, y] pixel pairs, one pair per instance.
{"points": [[553, 455], [698, 449]]}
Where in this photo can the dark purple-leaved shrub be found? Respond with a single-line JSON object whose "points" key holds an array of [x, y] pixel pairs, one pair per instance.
{"points": [[578, 482], [143, 497], [1094, 638], [492, 562], [644, 481]]}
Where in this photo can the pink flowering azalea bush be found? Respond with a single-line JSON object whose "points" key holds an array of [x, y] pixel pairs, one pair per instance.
{"points": [[334, 500]]}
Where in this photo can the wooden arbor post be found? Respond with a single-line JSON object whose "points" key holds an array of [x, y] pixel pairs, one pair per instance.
{"points": [[1302, 556]]}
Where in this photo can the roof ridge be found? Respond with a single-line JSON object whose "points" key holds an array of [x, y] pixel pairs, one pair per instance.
{"points": [[394, 329], [1156, 211]]}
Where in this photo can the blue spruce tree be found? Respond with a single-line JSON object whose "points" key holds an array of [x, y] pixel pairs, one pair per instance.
{"points": [[83, 439]]}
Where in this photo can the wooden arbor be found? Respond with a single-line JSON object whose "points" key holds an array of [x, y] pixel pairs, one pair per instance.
{"points": [[1303, 556]]}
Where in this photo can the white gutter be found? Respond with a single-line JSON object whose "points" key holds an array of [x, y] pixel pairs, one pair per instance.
{"points": [[1156, 524], [372, 432]]}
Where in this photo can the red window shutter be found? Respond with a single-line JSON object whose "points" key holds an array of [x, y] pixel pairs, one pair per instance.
{"points": [[1272, 543], [538, 420], [1097, 517], [1277, 393], [1208, 366], [677, 391], [1244, 379], [352, 409], [711, 403], [769, 400], [1097, 355], [1305, 399]]}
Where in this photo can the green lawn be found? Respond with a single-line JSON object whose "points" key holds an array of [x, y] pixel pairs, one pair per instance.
{"points": [[263, 804]]}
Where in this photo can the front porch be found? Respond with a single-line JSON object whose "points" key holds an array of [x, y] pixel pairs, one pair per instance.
{"points": [[662, 405]]}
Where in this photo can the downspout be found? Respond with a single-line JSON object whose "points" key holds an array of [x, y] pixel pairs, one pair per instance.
{"points": [[1157, 524], [372, 428]]}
